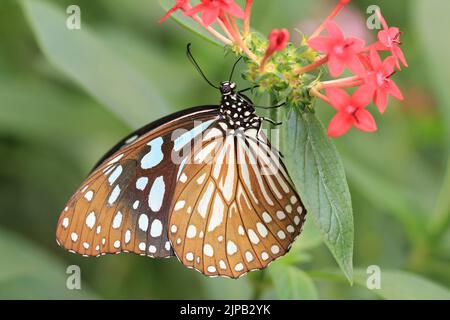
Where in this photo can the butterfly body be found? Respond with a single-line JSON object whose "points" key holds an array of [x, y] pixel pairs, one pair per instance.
{"points": [[204, 185]]}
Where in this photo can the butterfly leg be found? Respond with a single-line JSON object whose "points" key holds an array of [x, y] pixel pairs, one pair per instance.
{"points": [[271, 121], [272, 107], [248, 89]]}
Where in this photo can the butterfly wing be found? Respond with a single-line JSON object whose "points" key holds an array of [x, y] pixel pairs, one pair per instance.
{"points": [[123, 205], [235, 210]]}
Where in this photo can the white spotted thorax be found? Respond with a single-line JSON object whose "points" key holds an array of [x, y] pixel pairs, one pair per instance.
{"points": [[236, 110]]}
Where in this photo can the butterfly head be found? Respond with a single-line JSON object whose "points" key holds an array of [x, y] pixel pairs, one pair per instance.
{"points": [[227, 87]]}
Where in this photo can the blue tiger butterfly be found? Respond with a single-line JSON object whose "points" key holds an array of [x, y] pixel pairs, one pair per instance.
{"points": [[203, 184]]}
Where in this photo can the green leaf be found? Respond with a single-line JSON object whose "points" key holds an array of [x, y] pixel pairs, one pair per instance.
{"points": [[318, 174], [431, 27], [394, 284], [394, 201], [292, 283], [27, 272], [401, 285], [84, 58], [188, 23]]}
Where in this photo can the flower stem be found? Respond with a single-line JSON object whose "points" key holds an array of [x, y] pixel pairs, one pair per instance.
{"points": [[341, 83], [212, 31], [329, 18], [248, 11], [312, 66], [316, 93], [234, 30], [225, 29]]}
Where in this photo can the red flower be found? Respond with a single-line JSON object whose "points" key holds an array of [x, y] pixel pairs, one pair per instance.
{"points": [[380, 82], [278, 40], [351, 111], [389, 40], [342, 52], [180, 5], [212, 9]]}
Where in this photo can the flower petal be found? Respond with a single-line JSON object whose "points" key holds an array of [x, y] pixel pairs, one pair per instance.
{"points": [[195, 10], [321, 44], [210, 15], [399, 54], [363, 96], [335, 65], [339, 99], [234, 9], [381, 99], [334, 31], [395, 91], [389, 65], [375, 59], [340, 124], [355, 65], [383, 37], [365, 121]]}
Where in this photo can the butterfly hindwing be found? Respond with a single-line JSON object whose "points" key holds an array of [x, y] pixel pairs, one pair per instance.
{"points": [[235, 209], [123, 205]]}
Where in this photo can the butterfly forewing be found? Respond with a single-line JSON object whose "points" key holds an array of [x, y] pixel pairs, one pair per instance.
{"points": [[124, 203], [235, 209]]}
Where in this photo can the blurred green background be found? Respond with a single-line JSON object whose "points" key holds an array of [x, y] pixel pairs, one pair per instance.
{"points": [[67, 96]]}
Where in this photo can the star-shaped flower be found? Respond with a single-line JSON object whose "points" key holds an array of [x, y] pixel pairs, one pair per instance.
{"points": [[342, 52], [350, 111], [213, 9]]}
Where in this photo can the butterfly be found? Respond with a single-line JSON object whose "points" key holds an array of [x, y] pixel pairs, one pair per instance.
{"points": [[204, 185]]}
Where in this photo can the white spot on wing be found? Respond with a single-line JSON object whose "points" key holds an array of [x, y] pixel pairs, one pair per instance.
{"points": [[262, 229], [191, 231], [187, 137], [90, 220], [208, 250], [231, 248], [252, 236], [65, 223], [141, 183], [156, 196], [89, 195], [156, 228], [179, 205], [206, 199], [114, 195], [217, 213], [115, 174], [117, 221], [155, 156], [143, 222], [127, 236]]}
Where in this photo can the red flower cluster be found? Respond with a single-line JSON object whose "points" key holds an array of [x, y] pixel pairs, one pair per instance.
{"points": [[372, 74]]}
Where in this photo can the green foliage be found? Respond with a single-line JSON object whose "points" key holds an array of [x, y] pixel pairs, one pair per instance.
{"points": [[87, 60], [292, 283], [28, 272], [316, 170]]}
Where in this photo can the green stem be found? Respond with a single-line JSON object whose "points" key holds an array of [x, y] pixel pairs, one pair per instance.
{"points": [[440, 220], [274, 113]]}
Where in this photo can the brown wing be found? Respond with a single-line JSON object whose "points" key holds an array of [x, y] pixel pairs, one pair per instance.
{"points": [[236, 210], [123, 205]]}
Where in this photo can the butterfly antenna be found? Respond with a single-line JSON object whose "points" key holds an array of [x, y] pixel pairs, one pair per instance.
{"points": [[234, 67], [191, 58]]}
